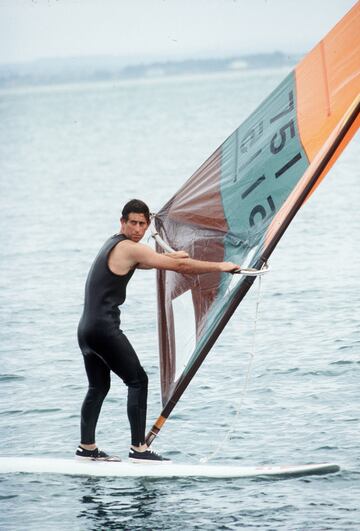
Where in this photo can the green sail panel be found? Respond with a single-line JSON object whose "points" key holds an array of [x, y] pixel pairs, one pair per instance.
{"points": [[262, 161]]}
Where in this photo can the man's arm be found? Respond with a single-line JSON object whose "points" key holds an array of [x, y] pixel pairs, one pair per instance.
{"points": [[146, 257], [177, 254], [173, 254]]}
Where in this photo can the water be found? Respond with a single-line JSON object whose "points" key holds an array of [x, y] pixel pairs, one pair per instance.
{"points": [[70, 158]]}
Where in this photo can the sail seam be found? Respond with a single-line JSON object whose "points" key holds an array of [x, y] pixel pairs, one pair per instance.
{"points": [[325, 77]]}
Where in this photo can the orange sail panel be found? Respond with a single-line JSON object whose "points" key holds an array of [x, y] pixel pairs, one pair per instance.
{"points": [[328, 84]]}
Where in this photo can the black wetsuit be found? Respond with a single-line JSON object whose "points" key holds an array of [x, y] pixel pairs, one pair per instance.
{"points": [[105, 347]]}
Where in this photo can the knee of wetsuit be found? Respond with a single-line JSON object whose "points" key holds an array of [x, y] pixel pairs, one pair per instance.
{"points": [[100, 390], [141, 380]]}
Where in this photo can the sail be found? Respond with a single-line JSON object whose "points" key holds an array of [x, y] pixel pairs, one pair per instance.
{"points": [[238, 204]]}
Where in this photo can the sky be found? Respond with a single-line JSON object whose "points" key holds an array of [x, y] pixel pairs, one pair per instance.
{"points": [[146, 30]]}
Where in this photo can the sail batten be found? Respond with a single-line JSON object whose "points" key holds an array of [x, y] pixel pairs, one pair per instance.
{"points": [[239, 203]]}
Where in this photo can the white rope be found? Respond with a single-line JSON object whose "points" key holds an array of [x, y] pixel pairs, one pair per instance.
{"points": [[245, 387]]}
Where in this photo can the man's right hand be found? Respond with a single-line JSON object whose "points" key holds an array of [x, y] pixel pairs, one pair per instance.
{"points": [[229, 267]]}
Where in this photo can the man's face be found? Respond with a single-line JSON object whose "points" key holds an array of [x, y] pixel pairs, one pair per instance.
{"points": [[134, 227]]}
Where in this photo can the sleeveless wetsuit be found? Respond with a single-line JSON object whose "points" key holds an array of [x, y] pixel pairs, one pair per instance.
{"points": [[105, 347]]}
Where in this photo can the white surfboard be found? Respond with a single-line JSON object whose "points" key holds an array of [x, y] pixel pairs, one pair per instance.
{"points": [[73, 467]]}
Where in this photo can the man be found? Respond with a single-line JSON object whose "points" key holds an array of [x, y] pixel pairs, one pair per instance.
{"points": [[104, 346]]}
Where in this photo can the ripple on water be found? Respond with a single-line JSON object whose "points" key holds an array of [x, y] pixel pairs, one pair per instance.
{"points": [[345, 362], [11, 377], [30, 411]]}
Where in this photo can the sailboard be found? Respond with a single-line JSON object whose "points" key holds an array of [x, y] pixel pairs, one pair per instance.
{"points": [[239, 203], [73, 467]]}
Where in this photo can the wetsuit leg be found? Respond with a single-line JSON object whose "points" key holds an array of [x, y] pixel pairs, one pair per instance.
{"points": [[114, 351], [98, 374], [122, 359]]}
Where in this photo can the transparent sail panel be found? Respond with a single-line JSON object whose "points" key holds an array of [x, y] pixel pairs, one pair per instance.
{"points": [[184, 330]]}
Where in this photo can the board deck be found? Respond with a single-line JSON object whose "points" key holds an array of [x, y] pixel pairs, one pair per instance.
{"points": [[73, 467]]}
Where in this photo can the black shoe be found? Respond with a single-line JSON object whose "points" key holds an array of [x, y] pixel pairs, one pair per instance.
{"points": [[95, 455], [147, 457]]}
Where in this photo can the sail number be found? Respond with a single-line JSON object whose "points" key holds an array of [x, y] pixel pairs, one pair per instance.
{"points": [[277, 143]]}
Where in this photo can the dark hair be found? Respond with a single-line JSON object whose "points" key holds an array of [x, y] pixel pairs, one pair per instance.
{"points": [[136, 206]]}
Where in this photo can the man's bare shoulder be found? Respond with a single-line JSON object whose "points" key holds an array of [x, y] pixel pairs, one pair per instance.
{"points": [[126, 255], [132, 250], [131, 246]]}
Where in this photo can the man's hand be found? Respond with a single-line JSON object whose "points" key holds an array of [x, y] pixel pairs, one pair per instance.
{"points": [[177, 254], [229, 267]]}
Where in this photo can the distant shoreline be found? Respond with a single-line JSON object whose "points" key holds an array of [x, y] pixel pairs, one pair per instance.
{"points": [[88, 70], [96, 84]]}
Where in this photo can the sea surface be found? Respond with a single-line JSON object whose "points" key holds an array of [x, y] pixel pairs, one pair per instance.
{"points": [[70, 157]]}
